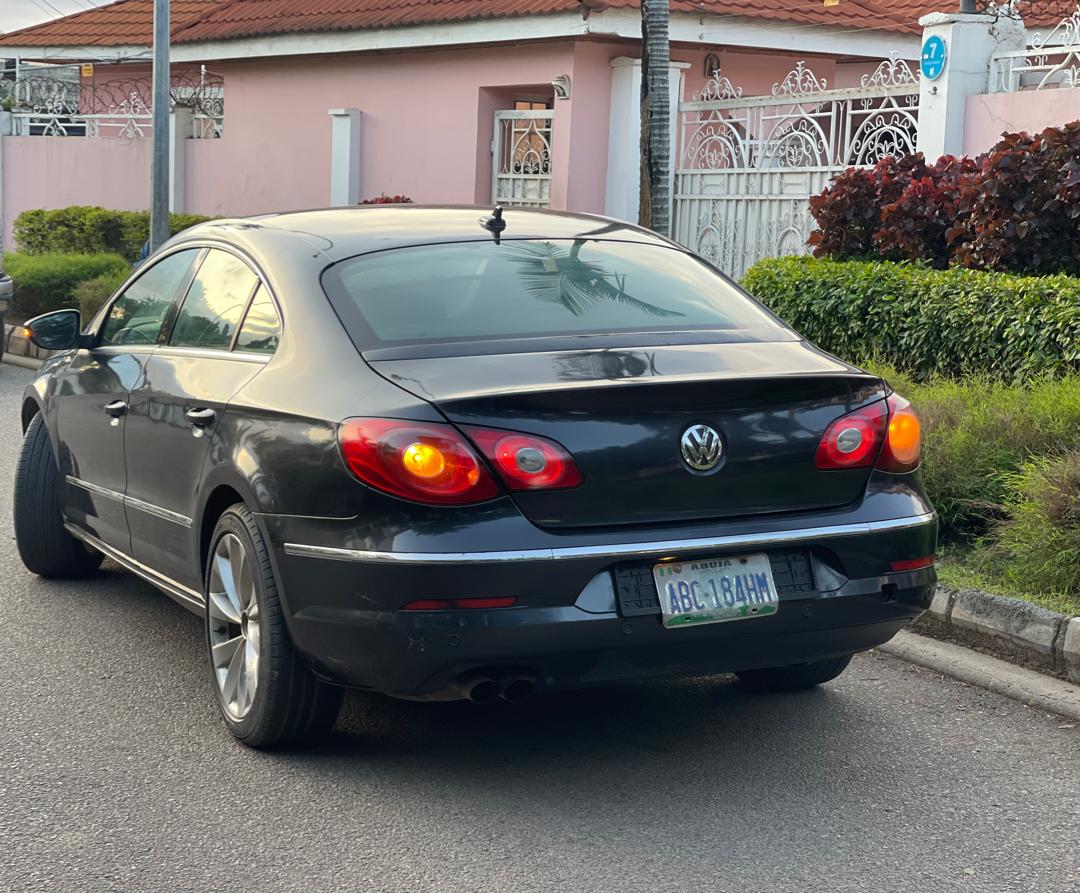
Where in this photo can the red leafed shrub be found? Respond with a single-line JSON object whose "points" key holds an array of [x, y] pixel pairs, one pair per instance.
{"points": [[388, 200], [914, 226], [1014, 209], [848, 212], [1022, 212]]}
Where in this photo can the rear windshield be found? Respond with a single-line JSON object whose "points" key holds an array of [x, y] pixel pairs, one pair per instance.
{"points": [[480, 291]]}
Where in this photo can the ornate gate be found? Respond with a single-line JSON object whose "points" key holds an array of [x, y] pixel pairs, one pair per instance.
{"points": [[747, 166], [521, 158]]}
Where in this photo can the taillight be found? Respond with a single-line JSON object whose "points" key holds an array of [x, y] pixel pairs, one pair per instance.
{"points": [[853, 440], [885, 435], [421, 461], [525, 461], [902, 451]]}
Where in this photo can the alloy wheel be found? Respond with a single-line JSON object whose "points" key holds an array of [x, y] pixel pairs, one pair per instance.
{"points": [[234, 626]]}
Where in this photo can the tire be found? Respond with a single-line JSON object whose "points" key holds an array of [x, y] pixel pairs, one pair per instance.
{"points": [[795, 678], [288, 704], [45, 547]]}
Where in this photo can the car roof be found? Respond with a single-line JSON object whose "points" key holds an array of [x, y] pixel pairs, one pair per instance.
{"points": [[340, 233]]}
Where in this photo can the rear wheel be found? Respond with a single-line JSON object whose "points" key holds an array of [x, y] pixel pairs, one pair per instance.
{"points": [[267, 695], [794, 678], [45, 546]]}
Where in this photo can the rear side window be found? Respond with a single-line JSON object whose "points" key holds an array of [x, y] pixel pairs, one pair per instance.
{"points": [[215, 302], [136, 316], [529, 289], [262, 325]]}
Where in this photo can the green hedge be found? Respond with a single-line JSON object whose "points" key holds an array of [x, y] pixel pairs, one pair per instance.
{"points": [[90, 230], [927, 322], [45, 282]]}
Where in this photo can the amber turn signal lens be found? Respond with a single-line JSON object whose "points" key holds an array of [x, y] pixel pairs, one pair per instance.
{"points": [[423, 460], [903, 440]]}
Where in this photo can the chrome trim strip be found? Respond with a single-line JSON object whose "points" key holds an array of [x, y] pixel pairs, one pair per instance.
{"points": [[180, 593], [158, 511], [621, 550], [168, 350], [132, 502]]}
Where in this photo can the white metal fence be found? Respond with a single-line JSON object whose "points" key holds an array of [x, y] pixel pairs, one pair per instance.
{"points": [[44, 105], [747, 166], [1050, 61], [521, 158]]}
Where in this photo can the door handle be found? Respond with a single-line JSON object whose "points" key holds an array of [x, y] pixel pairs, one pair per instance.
{"points": [[201, 418], [115, 409]]}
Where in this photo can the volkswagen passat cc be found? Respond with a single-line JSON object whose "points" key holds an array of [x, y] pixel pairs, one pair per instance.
{"points": [[447, 453]]}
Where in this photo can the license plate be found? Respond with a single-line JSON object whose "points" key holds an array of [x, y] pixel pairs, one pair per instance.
{"points": [[716, 590]]}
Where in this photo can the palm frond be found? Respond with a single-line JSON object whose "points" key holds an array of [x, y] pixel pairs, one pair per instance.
{"points": [[554, 274]]}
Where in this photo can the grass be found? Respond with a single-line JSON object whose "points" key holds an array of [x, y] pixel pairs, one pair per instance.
{"points": [[970, 568]]}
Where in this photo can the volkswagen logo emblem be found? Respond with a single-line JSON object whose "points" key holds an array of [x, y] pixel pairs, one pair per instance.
{"points": [[701, 447]]}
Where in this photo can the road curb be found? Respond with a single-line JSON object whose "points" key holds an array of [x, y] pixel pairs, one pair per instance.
{"points": [[1015, 630], [1027, 686]]}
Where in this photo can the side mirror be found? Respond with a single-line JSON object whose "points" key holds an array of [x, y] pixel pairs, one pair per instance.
{"points": [[58, 330]]}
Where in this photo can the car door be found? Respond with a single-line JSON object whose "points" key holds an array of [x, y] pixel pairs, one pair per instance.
{"points": [[92, 394], [182, 394]]}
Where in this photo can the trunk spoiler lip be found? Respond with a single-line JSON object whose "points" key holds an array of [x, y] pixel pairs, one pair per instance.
{"points": [[646, 549]]}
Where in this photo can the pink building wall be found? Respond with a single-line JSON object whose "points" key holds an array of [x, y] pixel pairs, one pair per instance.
{"points": [[987, 117], [426, 128], [54, 172]]}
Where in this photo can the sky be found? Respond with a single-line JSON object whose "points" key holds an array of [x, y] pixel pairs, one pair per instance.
{"points": [[15, 14]]}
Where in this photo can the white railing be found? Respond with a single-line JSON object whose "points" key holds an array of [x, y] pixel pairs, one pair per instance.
{"points": [[748, 165], [1050, 62], [50, 106]]}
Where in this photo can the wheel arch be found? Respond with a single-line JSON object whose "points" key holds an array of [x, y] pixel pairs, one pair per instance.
{"points": [[30, 408]]}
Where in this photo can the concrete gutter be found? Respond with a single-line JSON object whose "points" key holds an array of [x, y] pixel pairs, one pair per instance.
{"points": [[1008, 628], [1027, 686]]}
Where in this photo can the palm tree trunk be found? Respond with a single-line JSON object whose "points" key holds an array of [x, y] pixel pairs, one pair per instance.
{"points": [[655, 207]]}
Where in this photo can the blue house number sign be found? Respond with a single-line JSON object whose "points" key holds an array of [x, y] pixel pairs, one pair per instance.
{"points": [[934, 54]]}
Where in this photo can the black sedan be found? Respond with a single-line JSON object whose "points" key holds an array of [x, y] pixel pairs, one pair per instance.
{"points": [[443, 453]]}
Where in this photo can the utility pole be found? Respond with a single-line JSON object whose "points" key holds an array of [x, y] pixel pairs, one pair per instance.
{"points": [[159, 173], [968, 6]]}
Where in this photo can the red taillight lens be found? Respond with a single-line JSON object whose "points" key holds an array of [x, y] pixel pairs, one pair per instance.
{"points": [[853, 440], [525, 461], [902, 451], [421, 461]]}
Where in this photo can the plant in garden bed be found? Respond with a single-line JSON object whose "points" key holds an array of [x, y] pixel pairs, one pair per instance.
{"points": [[91, 294], [1015, 208], [388, 200], [927, 322]]}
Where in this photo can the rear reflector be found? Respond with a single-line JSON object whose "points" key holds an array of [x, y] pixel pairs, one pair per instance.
{"points": [[459, 604], [913, 564]]}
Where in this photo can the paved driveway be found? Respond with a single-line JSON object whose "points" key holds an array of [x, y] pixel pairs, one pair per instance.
{"points": [[115, 774]]}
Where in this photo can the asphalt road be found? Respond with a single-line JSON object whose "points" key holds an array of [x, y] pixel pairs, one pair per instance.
{"points": [[115, 773]]}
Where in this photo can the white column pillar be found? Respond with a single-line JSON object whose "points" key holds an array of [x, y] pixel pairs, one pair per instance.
{"points": [[970, 41], [180, 130], [345, 157], [622, 189]]}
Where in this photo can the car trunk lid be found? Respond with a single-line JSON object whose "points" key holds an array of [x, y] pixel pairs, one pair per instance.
{"points": [[622, 414]]}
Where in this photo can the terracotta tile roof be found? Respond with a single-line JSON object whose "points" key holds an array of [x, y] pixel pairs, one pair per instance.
{"points": [[246, 18], [125, 23], [129, 22]]}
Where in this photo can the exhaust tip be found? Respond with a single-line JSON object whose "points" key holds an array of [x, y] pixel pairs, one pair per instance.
{"points": [[518, 689], [483, 691]]}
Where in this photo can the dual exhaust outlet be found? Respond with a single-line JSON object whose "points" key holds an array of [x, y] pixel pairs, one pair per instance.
{"points": [[483, 689]]}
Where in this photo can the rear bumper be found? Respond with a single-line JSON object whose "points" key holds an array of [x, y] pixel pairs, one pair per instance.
{"points": [[7, 289], [567, 628]]}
